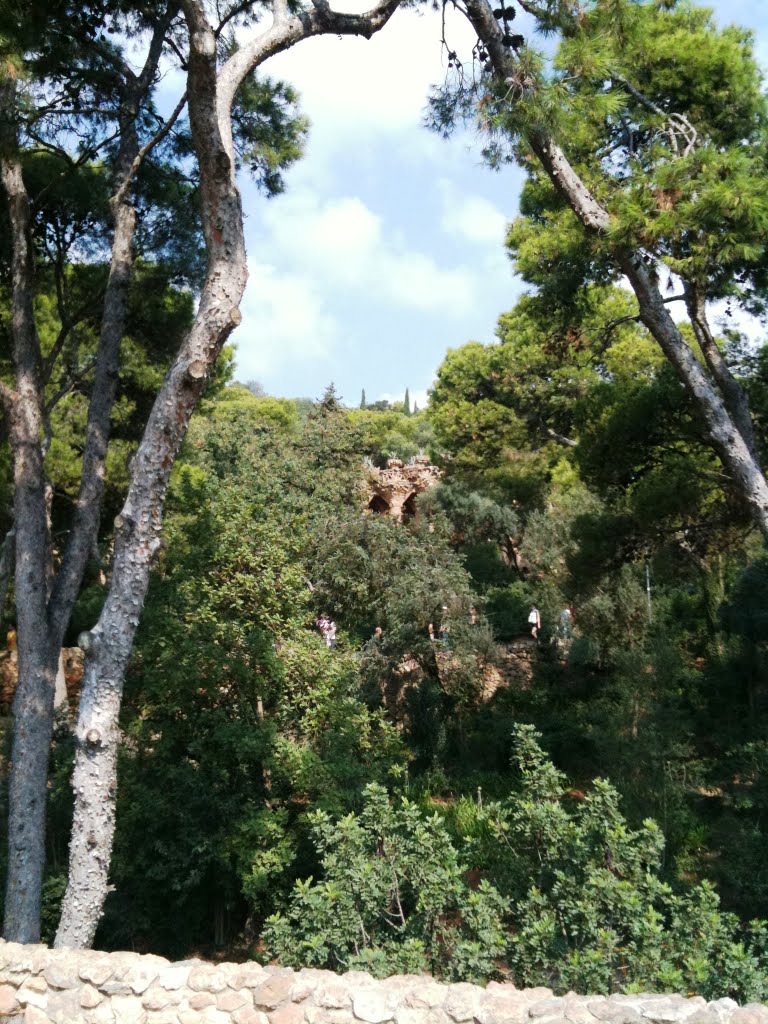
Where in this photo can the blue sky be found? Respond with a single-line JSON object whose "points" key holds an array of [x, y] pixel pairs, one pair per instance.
{"points": [[387, 248]]}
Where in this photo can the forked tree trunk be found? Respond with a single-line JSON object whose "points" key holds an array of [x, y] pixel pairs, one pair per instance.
{"points": [[733, 393], [138, 525], [42, 617], [33, 701], [210, 93], [723, 411]]}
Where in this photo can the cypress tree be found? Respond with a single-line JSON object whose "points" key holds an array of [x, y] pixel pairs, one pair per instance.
{"points": [[362, 400], [407, 403]]}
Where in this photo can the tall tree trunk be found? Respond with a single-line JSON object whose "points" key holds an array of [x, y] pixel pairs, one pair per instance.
{"points": [[44, 603], [33, 701], [138, 525], [712, 404], [736, 454], [733, 393]]}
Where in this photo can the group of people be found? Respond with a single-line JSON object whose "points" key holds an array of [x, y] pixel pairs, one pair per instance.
{"points": [[327, 629], [564, 626], [444, 627]]}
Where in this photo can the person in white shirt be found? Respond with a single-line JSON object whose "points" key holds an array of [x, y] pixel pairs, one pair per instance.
{"points": [[534, 620]]}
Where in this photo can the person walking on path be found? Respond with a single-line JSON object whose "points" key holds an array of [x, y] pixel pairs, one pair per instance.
{"points": [[534, 621], [566, 623]]}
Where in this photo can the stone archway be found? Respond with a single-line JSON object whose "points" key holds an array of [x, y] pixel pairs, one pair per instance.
{"points": [[393, 491], [408, 513], [378, 505]]}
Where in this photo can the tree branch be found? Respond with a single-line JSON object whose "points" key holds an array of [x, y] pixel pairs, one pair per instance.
{"points": [[87, 514], [148, 147], [722, 432], [287, 29], [733, 393]]}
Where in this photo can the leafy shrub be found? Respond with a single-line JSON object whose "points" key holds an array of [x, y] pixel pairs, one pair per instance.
{"points": [[393, 899], [570, 892], [589, 910]]}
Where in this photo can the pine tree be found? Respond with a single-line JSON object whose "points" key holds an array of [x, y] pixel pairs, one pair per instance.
{"points": [[407, 403], [363, 404]]}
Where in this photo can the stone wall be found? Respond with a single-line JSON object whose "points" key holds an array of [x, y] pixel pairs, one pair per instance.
{"points": [[39, 986], [393, 491]]}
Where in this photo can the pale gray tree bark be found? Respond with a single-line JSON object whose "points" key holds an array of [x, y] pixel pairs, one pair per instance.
{"points": [[211, 91], [33, 701], [44, 600], [722, 409]]}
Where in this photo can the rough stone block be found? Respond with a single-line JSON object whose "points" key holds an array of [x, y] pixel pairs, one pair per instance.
{"points": [[210, 1015], [29, 996], [90, 997], [157, 998], [270, 994], [36, 984], [62, 974], [547, 1007], [200, 1000], [64, 1007], [333, 995], [231, 1000], [102, 1014], [247, 976], [703, 1016], [27, 959], [724, 1008], [8, 1000], [409, 1015], [97, 972], [373, 1006], [116, 986], [128, 1010], [577, 1012], [247, 1015], [670, 1010], [462, 1002], [164, 1016], [616, 1013], [322, 1015], [189, 1016], [174, 977], [753, 1013], [428, 996], [288, 1014], [140, 977], [206, 979], [503, 1007], [34, 1015]]}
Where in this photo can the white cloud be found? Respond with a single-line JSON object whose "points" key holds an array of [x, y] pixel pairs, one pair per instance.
{"points": [[284, 320], [342, 243], [471, 217], [376, 85]]}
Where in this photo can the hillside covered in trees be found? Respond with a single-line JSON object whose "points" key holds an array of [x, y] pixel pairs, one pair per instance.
{"points": [[520, 730]]}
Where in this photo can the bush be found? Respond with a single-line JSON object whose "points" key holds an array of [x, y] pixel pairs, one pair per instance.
{"points": [[570, 893], [393, 899], [589, 910]]}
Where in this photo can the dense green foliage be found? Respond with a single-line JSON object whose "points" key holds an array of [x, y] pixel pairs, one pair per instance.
{"points": [[439, 791], [357, 807]]}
